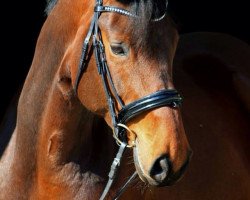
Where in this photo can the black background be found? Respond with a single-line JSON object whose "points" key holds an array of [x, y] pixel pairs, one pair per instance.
{"points": [[21, 22]]}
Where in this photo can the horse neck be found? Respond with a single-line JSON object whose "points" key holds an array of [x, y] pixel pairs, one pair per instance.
{"points": [[58, 137], [55, 133], [65, 140]]}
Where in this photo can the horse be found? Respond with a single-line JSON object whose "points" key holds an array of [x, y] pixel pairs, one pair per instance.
{"points": [[101, 76], [211, 70]]}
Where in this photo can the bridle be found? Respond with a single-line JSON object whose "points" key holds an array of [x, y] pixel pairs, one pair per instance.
{"points": [[165, 97]]}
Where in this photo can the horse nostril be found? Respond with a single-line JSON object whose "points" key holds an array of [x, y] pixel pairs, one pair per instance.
{"points": [[160, 169]]}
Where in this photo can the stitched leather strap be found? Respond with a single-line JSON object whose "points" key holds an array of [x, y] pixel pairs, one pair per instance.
{"points": [[83, 58], [113, 170], [158, 99]]}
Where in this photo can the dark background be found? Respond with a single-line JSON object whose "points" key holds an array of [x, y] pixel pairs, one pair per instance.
{"points": [[21, 22]]}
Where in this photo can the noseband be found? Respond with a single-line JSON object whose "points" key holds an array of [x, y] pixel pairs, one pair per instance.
{"points": [[161, 98]]}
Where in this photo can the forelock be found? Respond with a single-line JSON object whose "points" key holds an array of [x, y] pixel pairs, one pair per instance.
{"points": [[147, 10]]}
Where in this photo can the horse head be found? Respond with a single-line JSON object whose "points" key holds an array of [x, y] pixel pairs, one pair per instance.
{"points": [[139, 50]]}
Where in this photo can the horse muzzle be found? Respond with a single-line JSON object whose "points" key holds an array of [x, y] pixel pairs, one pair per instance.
{"points": [[160, 173]]}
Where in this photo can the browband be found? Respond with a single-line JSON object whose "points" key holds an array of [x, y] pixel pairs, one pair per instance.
{"points": [[121, 11], [99, 8]]}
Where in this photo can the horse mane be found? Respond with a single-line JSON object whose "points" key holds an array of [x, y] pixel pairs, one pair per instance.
{"points": [[146, 10]]}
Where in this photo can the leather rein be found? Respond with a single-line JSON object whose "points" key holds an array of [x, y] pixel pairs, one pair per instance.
{"points": [[165, 97]]}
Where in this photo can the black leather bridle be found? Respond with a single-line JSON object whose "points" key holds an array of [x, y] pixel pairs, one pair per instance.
{"points": [[165, 97]]}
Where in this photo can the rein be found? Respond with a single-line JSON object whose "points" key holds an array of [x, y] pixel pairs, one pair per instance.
{"points": [[165, 97]]}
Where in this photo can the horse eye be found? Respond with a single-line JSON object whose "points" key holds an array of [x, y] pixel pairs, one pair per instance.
{"points": [[119, 49]]}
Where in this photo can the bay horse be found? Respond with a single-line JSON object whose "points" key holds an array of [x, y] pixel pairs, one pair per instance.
{"points": [[69, 109], [211, 70]]}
